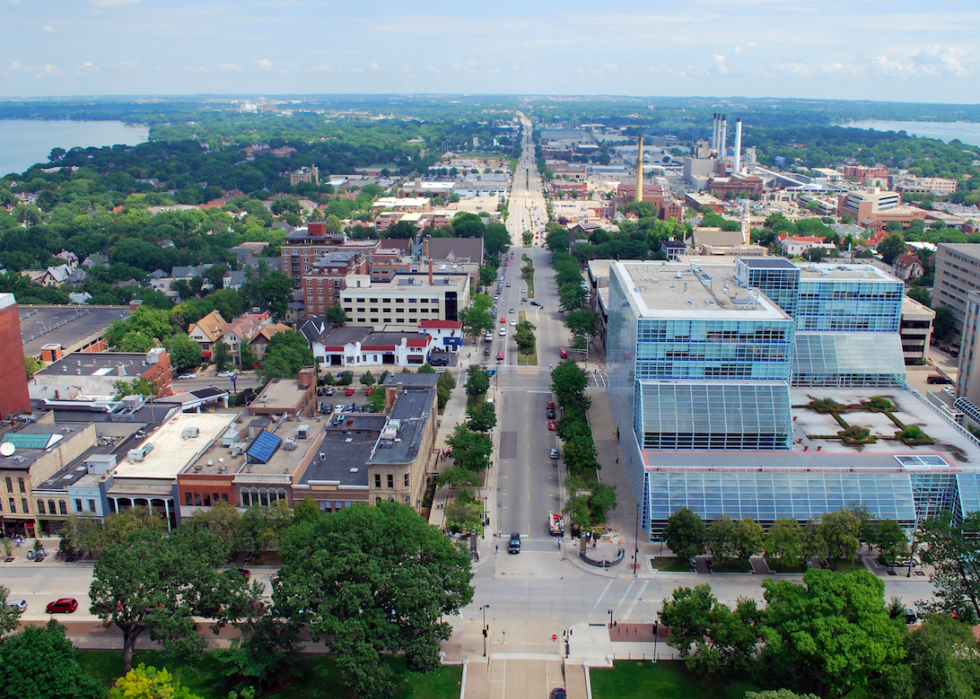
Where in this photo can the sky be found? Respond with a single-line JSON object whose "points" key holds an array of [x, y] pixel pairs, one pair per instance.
{"points": [[888, 50]]}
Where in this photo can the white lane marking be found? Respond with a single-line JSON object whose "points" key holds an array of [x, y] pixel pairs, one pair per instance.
{"points": [[635, 600], [625, 595], [599, 599]]}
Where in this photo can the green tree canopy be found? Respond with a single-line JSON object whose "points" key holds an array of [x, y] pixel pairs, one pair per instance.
{"points": [[368, 580], [184, 352], [39, 662], [287, 353], [685, 534]]}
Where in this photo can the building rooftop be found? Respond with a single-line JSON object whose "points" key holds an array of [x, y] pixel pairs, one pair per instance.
{"points": [[124, 365], [289, 450], [344, 452], [678, 290], [866, 273], [281, 394], [171, 451], [768, 263], [407, 423], [32, 441], [399, 380], [71, 327]]}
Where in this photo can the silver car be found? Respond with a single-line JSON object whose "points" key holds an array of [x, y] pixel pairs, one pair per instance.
{"points": [[20, 605]]}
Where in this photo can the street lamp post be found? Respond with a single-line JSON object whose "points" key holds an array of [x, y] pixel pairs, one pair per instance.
{"points": [[610, 618], [636, 543], [484, 610]]}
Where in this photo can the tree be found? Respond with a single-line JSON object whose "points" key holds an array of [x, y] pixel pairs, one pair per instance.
{"points": [[32, 366], [708, 635], [891, 247], [221, 519], [265, 528], [470, 450], [152, 582], [9, 617], [944, 324], [424, 369], [784, 542], [948, 547], [246, 356], [286, 354], [220, 355], [890, 539], [444, 388], [368, 580], [367, 378], [941, 663], [184, 352], [137, 387], [582, 321], [568, 381], [145, 682], [838, 532], [277, 292], [346, 378], [779, 694], [482, 418], [478, 381], [685, 534], [920, 294], [336, 315], [830, 634], [39, 662], [720, 539], [476, 321], [376, 402], [749, 536]]}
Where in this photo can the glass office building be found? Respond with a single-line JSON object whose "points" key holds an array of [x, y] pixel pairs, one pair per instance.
{"points": [[848, 360]]}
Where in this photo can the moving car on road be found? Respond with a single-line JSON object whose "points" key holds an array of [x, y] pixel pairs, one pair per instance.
{"points": [[503, 332], [65, 605], [187, 376], [226, 374], [563, 353], [500, 356], [553, 454], [552, 426], [514, 545]]}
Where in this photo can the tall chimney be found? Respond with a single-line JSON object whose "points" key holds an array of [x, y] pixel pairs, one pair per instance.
{"points": [[723, 136], [714, 131], [738, 146], [639, 171], [430, 274]]}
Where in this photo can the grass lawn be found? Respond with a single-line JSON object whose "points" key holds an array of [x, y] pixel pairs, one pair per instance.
{"points": [[846, 566], [315, 678], [671, 565], [663, 680], [475, 401], [734, 567], [776, 566]]}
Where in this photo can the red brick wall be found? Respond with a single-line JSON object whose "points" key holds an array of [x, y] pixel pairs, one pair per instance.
{"points": [[13, 376]]}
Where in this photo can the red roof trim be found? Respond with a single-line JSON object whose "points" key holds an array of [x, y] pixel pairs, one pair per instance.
{"points": [[444, 324]]}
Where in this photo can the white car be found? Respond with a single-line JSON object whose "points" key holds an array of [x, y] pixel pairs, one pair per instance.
{"points": [[496, 298], [503, 332], [187, 376], [226, 374], [513, 322]]}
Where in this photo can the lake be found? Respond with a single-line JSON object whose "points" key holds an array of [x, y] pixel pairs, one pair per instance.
{"points": [[24, 142], [967, 132]]}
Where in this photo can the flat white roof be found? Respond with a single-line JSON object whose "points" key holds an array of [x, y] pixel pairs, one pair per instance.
{"points": [[171, 452]]}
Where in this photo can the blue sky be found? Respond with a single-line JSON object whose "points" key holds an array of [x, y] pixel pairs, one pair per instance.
{"points": [[894, 50]]}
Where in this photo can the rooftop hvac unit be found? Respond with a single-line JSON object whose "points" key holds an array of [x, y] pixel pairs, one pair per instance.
{"points": [[190, 433], [302, 432], [264, 399], [289, 445]]}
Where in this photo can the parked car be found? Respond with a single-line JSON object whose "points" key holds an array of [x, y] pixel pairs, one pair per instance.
{"points": [[187, 376], [339, 408], [65, 605], [486, 351], [349, 391], [536, 303], [331, 391], [508, 285], [552, 426], [550, 406], [328, 409], [350, 407], [496, 297], [18, 605], [439, 361], [226, 374], [557, 693], [514, 545], [553, 454], [246, 573], [938, 378], [550, 414]]}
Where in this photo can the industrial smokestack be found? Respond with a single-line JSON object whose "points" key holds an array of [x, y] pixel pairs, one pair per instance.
{"points": [[723, 136], [639, 171], [430, 273], [738, 146], [714, 131]]}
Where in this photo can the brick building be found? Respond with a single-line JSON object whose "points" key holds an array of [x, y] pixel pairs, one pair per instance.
{"points": [[14, 396]]}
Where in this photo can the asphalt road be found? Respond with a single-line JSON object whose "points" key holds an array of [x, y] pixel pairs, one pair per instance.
{"points": [[528, 481]]}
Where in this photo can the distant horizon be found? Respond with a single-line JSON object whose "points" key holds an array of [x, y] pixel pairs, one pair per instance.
{"points": [[902, 51]]}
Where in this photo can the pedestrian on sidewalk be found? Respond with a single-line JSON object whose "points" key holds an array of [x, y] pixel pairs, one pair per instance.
{"points": [[496, 549]]}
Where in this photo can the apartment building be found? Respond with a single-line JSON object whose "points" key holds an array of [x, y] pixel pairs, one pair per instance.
{"points": [[14, 397], [957, 276], [323, 281], [915, 330], [405, 299]]}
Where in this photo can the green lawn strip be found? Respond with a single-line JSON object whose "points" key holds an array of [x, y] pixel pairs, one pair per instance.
{"points": [[671, 565], [475, 401], [777, 566], [527, 359], [316, 676], [846, 566], [733, 567], [664, 680]]}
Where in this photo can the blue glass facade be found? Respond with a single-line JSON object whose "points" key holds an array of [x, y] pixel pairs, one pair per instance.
{"points": [[833, 305]]}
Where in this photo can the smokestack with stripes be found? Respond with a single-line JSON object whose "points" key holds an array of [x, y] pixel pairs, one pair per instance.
{"points": [[714, 131], [639, 171], [723, 137], [738, 147]]}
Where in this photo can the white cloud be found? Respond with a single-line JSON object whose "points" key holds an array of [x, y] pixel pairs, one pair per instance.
{"points": [[263, 64], [47, 69], [86, 67], [15, 67], [719, 62], [112, 3], [230, 66], [796, 68], [375, 66], [738, 50], [198, 69], [931, 61], [47, 29]]}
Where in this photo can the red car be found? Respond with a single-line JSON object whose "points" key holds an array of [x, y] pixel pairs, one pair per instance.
{"points": [[500, 356], [564, 353], [369, 391], [503, 320], [349, 392], [65, 605], [552, 426]]}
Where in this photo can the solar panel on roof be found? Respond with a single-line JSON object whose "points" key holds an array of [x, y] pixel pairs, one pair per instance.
{"points": [[31, 440], [263, 447]]}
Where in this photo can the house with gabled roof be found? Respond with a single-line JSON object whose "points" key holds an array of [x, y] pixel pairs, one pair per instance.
{"points": [[207, 331]]}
